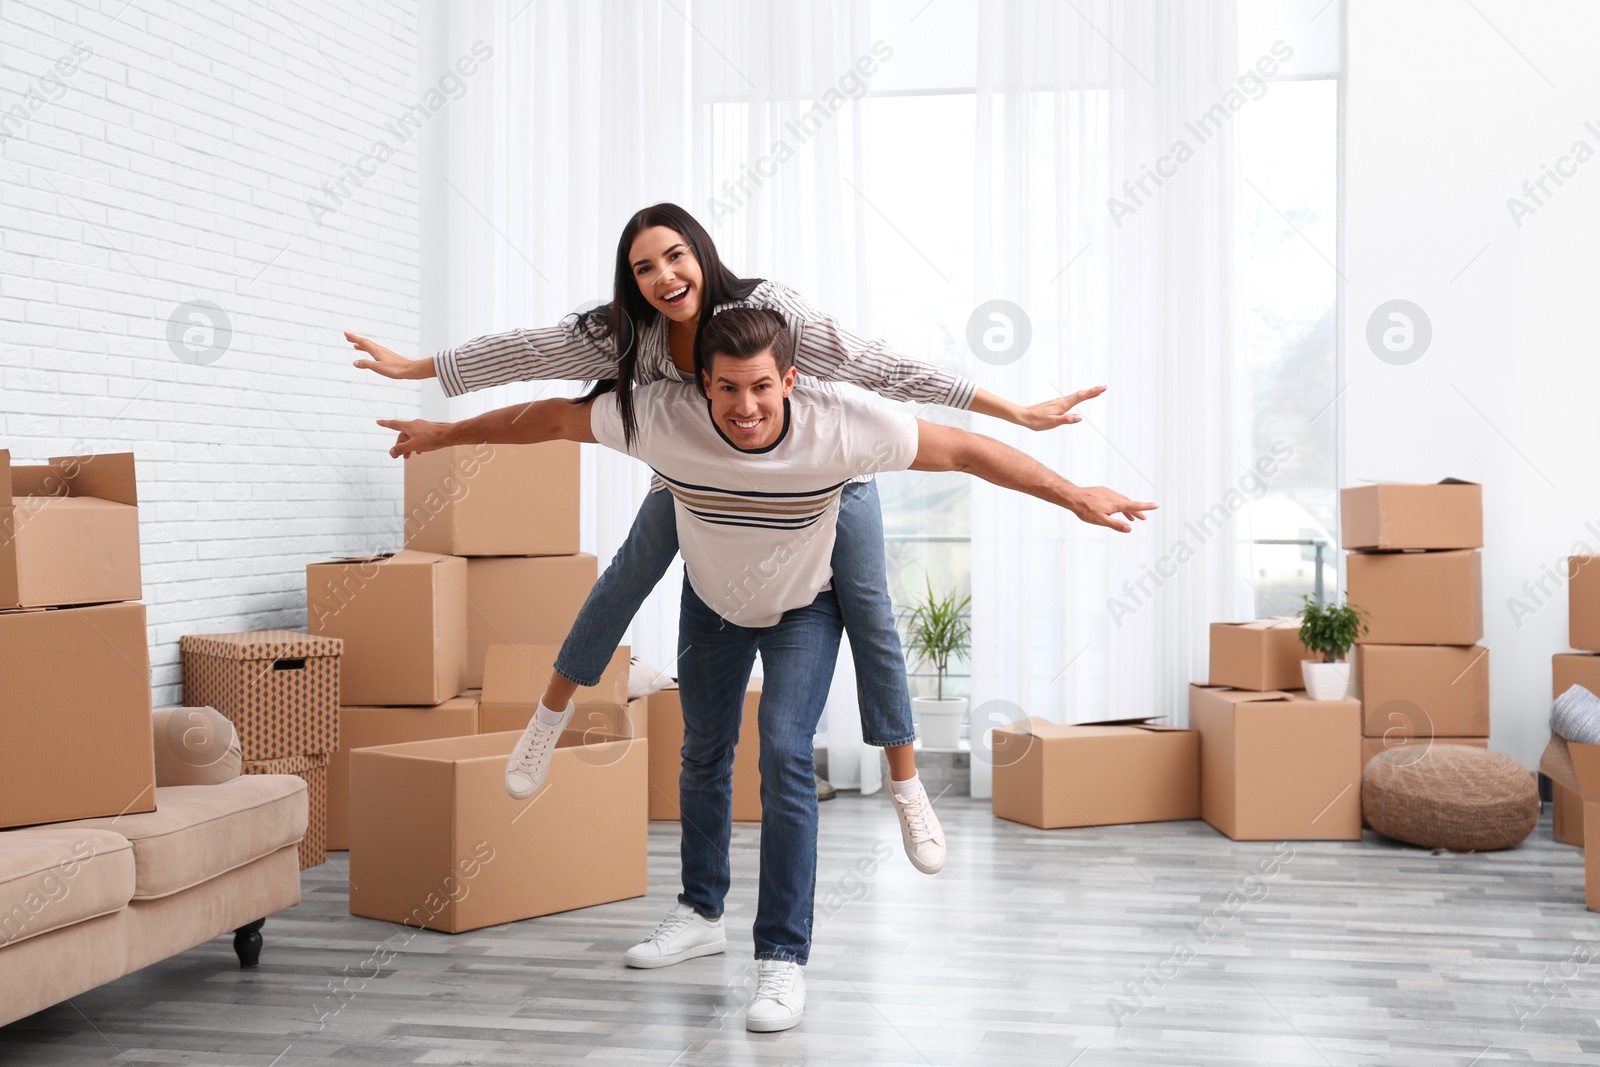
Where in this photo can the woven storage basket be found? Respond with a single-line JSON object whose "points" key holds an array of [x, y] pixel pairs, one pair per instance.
{"points": [[1450, 796]]}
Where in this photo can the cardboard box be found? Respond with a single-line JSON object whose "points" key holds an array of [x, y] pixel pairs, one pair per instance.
{"points": [[403, 619], [279, 688], [1583, 602], [1423, 690], [69, 531], [1566, 817], [523, 601], [515, 677], [1278, 766], [365, 727], [1418, 598], [494, 500], [313, 769], [75, 731], [664, 711], [1448, 514], [1586, 766], [1262, 655], [1049, 775], [1371, 746], [435, 842], [1568, 669]]}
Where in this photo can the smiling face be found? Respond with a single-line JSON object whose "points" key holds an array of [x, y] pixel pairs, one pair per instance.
{"points": [[667, 272], [747, 398]]}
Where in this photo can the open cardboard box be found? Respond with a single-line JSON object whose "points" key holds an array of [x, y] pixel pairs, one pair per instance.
{"points": [[1448, 514], [1577, 766], [436, 842], [69, 531], [1052, 775]]}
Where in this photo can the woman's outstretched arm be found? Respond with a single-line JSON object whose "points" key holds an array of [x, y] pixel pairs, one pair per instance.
{"points": [[568, 351]]}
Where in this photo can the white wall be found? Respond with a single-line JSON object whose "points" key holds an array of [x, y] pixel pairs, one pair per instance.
{"points": [[1449, 110], [174, 161]]}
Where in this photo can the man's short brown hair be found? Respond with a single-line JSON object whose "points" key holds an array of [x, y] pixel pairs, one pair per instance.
{"points": [[743, 333]]}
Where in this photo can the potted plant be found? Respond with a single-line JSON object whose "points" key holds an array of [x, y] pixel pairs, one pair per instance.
{"points": [[936, 629], [1330, 630]]}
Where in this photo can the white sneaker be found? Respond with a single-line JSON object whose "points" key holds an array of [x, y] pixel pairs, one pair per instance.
{"points": [[682, 935], [529, 762], [780, 997], [920, 830]]}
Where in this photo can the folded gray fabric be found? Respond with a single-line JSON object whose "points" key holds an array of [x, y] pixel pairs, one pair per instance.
{"points": [[1576, 716]]}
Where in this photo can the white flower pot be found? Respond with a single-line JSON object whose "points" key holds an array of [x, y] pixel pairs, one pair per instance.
{"points": [[1326, 681], [939, 721]]}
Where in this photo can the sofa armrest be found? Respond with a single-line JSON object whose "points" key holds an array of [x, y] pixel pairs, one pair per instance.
{"points": [[194, 746]]}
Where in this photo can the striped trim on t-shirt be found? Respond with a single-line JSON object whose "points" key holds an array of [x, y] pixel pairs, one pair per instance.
{"points": [[745, 507]]}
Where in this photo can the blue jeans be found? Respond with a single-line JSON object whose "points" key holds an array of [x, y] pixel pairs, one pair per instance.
{"points": [[860, 582], [714, 661]]}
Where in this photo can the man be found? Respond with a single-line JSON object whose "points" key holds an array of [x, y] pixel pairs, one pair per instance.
{"points": [[756, 466]]}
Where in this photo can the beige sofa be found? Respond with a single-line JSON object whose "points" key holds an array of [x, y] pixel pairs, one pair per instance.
{"points": [[84, 902]]}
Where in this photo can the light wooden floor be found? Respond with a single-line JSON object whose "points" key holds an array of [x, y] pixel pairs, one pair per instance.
{"points": [[1072, 947]]}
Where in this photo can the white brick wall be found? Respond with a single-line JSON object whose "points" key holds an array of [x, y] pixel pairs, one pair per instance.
{"points": [[174, 163]]}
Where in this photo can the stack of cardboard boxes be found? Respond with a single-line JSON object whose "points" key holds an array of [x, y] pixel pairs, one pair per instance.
{"points": [[1568, 669], [1274, 764], [73, 649], [1414, 565], [491, 558]]}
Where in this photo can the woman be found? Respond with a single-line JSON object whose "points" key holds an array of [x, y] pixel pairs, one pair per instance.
{"points": [[668, 280]]}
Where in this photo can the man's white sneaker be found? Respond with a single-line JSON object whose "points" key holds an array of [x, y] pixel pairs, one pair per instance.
{"points": [[780, 997], [682, 935], [920, 830], [529, 762]]}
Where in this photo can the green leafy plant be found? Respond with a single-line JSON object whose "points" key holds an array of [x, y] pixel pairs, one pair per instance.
{"points": [[937, 629], [1331, 629]]}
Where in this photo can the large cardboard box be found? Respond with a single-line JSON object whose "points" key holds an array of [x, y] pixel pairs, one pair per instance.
{"points": [[279, 688], [1418, 598], [313, 770], [75, 732], [403, 619], [494, 500], [69, 531], [1262, 655], [515, 677], [1568, 669], [1385, 516], [1566, 816], [1586, 765], [365, 727], [665, 717], [1423, 690], [523, 601], [436, 842], [1278, 766], [1371, 746], [1583, 602], [1050, 775]]}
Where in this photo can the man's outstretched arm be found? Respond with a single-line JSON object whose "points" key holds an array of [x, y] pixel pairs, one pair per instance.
{"points": [[945, 448], [520, 424]]}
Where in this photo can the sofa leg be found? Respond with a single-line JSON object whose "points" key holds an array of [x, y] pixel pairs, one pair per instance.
{"points": [[247, 943]]}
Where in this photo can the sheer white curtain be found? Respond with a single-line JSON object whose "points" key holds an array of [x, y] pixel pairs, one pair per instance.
{"points": [[1073, 623], [588, 111]]}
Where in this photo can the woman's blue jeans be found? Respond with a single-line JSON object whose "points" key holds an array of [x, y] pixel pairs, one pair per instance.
{"points": [[714, 661], [860, 584]]}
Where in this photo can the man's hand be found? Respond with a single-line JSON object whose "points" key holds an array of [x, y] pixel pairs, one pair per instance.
{"points": [[388, 363], [416, 435], [1057, 412], [1100, 506]]}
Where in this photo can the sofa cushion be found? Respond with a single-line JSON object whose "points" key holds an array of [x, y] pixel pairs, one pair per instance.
{"points": [[52, 877], [200, 831]]}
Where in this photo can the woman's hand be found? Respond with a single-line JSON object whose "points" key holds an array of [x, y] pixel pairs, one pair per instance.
{"points": [[387, 363], [1057, 412], [416, 435]]}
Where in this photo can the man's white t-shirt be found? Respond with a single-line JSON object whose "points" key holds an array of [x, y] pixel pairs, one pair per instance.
{"points": [[756, 528]]}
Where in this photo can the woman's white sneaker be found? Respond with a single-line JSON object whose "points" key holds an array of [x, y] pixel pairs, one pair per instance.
{"points": [[920, 830], [682, 935], [780, 997], [529, 762]]}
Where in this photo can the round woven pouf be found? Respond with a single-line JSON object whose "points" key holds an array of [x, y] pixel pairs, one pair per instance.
{"points": [[1450, 796]]}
